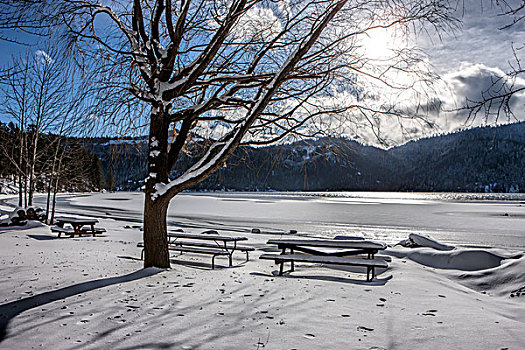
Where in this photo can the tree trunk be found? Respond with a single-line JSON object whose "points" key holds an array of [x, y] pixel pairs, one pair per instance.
{"points": [[54, 202], [55, 187], [25, 189], [32, 176], [156, 251], [20, 191], [48, 200], [50, 183]]}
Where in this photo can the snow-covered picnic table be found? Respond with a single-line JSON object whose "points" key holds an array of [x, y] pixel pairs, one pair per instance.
{"points": [[337, 252], [205, 243], [77, 226]]}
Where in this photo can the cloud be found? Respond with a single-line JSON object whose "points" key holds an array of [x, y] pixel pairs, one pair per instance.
{"points": [[257, 23], [481, 38], [473, 83], [43, 57]]}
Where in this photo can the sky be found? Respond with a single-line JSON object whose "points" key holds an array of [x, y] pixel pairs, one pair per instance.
{"points": [[467, 60], [470, 58]]}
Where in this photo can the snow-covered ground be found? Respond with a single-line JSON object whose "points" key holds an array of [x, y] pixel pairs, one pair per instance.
{"points": [[92, 293]]}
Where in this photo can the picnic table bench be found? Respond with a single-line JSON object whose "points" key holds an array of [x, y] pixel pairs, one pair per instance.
{"points": [[340, 252], [77, 227], [211, 244]]}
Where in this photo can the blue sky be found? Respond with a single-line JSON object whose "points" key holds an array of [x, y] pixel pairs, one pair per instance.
{"points": [[467, 60]]}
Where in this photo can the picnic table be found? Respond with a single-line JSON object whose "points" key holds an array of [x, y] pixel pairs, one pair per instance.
{"points": [[203, 243], [77, 226], [338, 252]]}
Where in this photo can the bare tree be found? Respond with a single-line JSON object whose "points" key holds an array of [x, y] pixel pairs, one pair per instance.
{"points": [[36, 99], [69, 121], [227, 73], [23, 17], [16, 106]]}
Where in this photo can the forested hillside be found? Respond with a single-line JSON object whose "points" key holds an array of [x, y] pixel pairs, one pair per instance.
{"points": [[475, 160], [479, 159]]}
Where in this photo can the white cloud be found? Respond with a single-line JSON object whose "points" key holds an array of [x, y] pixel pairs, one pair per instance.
{"points": [[257, 23], [480, 39], [473, 83], [43, 57]]}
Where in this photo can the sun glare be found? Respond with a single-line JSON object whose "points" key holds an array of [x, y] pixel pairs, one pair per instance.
{"points": [[378, 43]]}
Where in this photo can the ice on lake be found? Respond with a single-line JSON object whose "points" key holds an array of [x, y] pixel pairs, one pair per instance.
{"points": [[496, 220]]}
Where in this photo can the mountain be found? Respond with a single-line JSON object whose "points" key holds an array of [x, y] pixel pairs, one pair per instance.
{"points": [[481, 159], [474, 160]]}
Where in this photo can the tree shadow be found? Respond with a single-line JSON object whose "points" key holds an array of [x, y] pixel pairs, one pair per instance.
{"points": [[201, 265], [377, 281], [10, 310], [42, 237], [129, 258], [195, 336]]}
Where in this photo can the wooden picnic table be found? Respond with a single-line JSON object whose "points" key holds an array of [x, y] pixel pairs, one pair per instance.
{"points": [[200, 244], [205, 236], [339, 252], [78, 226], [339, 247]]}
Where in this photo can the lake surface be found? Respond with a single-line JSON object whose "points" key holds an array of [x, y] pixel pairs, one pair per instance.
{"points": [[459, 218], [495, 220]]}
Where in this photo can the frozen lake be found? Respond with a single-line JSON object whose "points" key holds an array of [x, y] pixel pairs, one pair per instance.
{"points": [[496, 220]]}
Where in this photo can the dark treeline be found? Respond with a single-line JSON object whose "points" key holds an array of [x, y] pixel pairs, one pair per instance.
{"points": [[488, 159], [476, 160], [58, 164]]}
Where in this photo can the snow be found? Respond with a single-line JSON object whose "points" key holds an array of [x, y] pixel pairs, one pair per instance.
{"points": [[7, 186], [122, 142], [418, 240], [195, 171], [93, 293]]}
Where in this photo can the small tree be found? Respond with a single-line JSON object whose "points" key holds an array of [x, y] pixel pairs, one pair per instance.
{"points": [[40, 97]]}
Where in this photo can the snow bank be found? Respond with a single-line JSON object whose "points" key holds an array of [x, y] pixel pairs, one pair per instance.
{"points": [[427, 251], [419, 240], [459, 259], [508, 279], [494, 272]]}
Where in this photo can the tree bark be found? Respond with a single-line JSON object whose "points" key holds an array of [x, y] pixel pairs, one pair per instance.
{"points": [[20, 191], [32, 177], [156, 251], [51, 180]]}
